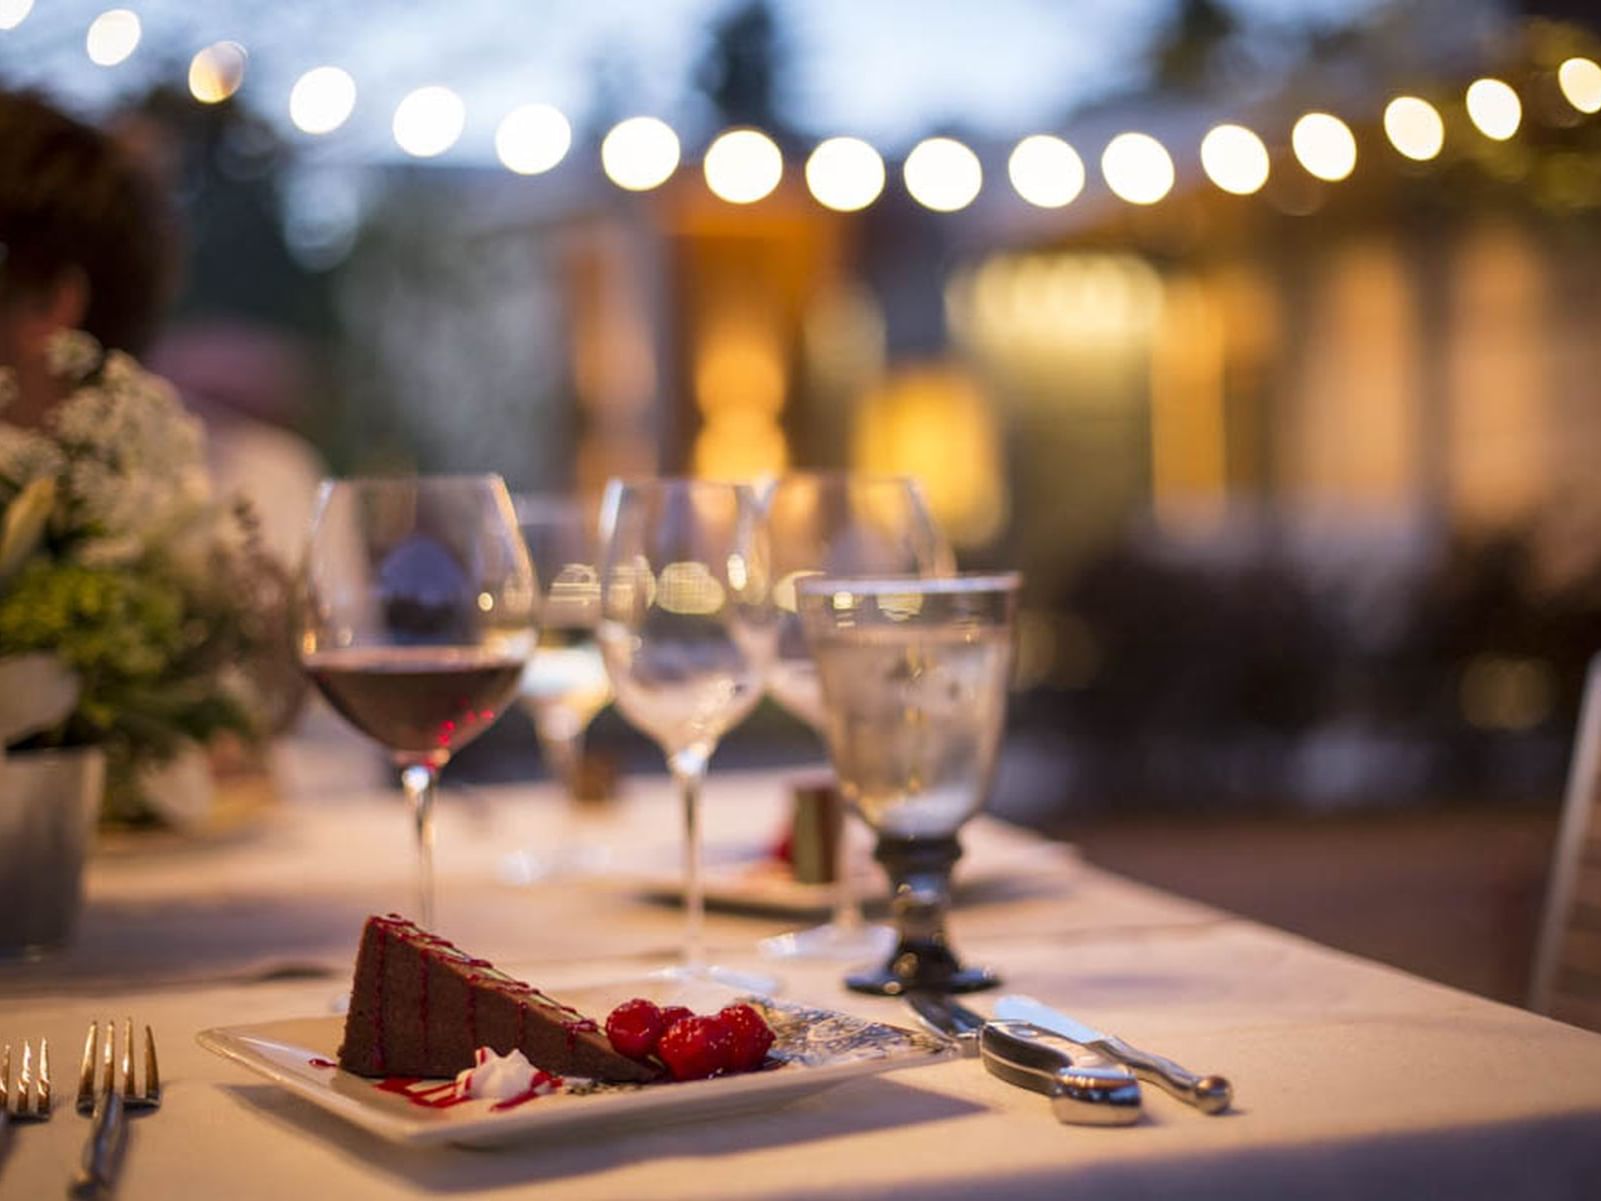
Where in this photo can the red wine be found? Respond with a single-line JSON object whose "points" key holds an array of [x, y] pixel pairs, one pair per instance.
{"points": [[417, 700]]}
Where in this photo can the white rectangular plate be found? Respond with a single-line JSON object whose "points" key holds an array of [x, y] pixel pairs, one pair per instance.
{"points": [[820, 1048]]}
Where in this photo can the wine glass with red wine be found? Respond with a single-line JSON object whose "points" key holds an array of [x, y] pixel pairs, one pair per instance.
{"points": [[417, 614]]}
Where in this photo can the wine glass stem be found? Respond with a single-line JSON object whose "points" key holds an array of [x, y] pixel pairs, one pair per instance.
{"points": [[420, 780], [847, 905], [689, 770]]}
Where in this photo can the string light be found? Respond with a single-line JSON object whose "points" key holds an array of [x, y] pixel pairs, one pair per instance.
{"points": [[112, 37], [742, 166], [1495, 108], [1414, 127], [639, 153], [322, 100], [533, 138], [942, 175], [1580, 81], [1137, 168], [428, 121], [216, 72], [1235, 159], [845, 174], [1046, 171], [1325, 146], [14, 12]]}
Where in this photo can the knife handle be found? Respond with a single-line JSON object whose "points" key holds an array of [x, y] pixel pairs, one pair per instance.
{"points": [[1209, 1094]]}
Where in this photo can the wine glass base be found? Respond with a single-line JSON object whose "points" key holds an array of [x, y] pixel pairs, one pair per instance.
{"points": [[533, 867], [832, 941], [886, 982], [751, 982]]}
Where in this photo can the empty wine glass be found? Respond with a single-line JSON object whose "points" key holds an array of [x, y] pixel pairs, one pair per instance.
{"points": [[565, 683], [417, 614], [686, 632], [914, 675], [838, 524]]}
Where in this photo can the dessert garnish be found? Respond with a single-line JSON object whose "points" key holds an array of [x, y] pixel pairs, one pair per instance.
{"points": [[693, 1047], [507, 1080]]}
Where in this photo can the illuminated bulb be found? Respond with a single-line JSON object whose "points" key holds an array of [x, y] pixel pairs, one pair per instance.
{"points": [[112, 37], [743, 165], [1579, 79], [1414, 127], [14, 12], [1495, 108], [428, 121], [942, 174], [1325, 146], [639, 153], [1235, 159], [1137, 168], [845, 174], [1046, 171], [216, 72], [322, 100], [533, 138]]}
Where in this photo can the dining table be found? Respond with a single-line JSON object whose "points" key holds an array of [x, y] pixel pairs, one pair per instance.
{"points": [[1351, 1079]]}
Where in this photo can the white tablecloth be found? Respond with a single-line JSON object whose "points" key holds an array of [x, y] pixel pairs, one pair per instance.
{"points": [[1353, 1080]]}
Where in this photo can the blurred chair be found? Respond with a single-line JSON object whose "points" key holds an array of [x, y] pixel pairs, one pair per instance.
{"points": [[1567, 966]]}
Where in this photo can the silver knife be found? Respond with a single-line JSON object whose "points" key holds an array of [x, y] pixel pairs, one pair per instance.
{"points": [[1209, 1094]]}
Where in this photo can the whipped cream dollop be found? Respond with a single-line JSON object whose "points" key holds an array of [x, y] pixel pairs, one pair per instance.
{"points": [[495, 1077]]}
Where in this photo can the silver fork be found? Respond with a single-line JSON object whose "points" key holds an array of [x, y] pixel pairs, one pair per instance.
{"points": [[29, 1101], [108, 1129]]}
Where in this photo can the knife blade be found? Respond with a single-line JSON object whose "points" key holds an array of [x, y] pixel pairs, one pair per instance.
{"points": [[1209, 1094]]}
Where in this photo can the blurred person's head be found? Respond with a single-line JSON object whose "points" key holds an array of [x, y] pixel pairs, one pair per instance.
{"points": [[86, 237]]}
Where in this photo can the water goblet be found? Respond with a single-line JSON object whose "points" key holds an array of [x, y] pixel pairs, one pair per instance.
{"points": [[416, 615], [686, 632], [837, 523], [914, 676]]}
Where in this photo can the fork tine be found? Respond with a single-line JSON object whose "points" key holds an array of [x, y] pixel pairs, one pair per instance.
{"points": [[152, 1073], [86, 1073], [128, 1089], [25, 1081], [5, 1080], [44, 1077], [108, 1063]]}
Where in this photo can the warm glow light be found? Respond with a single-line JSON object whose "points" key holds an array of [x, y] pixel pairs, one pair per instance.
{"points": [[322, 100], [1235, 159], [942, 174], [639, 153], [1137, 168], [1325, 146], [112, 37], [428, 121], [1414, 127], [1495, 108], [1046, 171], [743, 165], [533, 138], [1579, 79], [216, 72], [845, 174], [14, 12]]}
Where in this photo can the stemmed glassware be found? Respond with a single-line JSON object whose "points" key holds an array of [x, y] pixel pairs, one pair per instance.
{"points": [[565, 684], [838, 524], [914, 675], [417, 614], [687, 634]]}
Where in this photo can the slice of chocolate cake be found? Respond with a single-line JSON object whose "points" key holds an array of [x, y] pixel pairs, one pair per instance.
{"points": [[420, 1006]]}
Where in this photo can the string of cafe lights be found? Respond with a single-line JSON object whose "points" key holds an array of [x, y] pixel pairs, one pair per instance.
{"points": [[743, 166]]}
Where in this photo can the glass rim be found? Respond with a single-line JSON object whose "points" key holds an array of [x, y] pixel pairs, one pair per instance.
{"points": [[618, 482], [938, 585], [330, 482]]}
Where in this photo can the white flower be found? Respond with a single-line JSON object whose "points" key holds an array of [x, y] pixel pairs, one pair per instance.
{"points": [[72, 354]]}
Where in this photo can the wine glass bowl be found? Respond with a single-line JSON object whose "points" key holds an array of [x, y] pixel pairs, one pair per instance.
{"points": [[416, 616], [686, 631], [914, 676]]}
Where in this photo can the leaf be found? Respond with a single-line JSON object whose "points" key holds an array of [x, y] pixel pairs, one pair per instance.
{"points": [[22, 528]]}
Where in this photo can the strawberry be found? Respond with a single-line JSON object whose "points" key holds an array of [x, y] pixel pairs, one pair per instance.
{"points": [[673, 1014]]}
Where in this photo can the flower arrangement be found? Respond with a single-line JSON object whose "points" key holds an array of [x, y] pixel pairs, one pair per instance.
{"points": [[116, 559]]}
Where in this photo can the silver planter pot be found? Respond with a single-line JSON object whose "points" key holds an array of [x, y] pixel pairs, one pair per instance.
{"points": [[49, 803]]}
